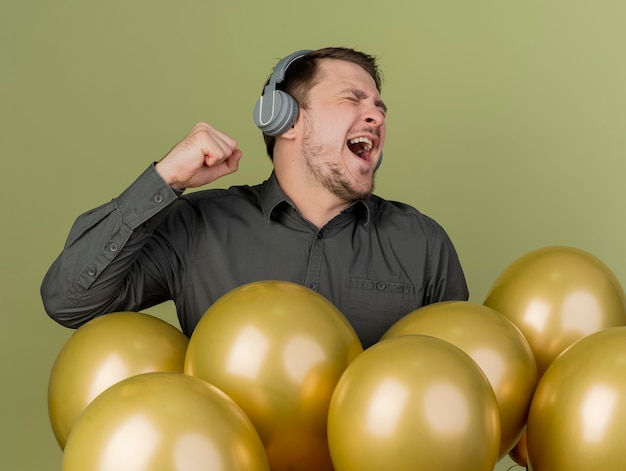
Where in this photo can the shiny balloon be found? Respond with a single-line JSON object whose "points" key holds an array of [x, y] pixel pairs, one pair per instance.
{"points": [[577, 418], [494, 343], [163, 421], [278, 349], [104, 351], [557, 295], [519, 453], [410, 403]]}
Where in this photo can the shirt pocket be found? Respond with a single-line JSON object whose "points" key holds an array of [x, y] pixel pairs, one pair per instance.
{"points": [[375, 305]]}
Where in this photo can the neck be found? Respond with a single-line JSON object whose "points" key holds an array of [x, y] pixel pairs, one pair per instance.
{"points": [[316, 204]]}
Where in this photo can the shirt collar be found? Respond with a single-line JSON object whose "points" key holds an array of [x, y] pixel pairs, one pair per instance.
{"points": [[273, 198]]}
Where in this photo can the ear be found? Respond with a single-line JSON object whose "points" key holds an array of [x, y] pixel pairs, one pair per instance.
{"points": [[291, 133], [294, 131]]}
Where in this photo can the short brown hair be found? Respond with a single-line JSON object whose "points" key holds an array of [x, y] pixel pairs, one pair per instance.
{"points": [[302, 74]]}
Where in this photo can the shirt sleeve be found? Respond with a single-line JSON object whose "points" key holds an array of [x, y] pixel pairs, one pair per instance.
{"points": [[90, 276], [445, 278]]}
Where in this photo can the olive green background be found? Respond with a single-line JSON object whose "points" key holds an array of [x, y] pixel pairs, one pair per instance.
{"points": [[506, 124]]}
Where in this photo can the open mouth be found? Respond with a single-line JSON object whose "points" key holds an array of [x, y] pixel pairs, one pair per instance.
{"points": [[361, 147]]}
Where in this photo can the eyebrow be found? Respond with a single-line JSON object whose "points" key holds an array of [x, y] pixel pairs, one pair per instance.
{"points": [[361, 95]]}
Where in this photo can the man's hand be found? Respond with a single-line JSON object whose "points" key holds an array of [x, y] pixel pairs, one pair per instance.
{"points": [[204, 155]]}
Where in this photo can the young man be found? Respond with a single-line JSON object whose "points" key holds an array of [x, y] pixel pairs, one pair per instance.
{"points": [[315, 220]]}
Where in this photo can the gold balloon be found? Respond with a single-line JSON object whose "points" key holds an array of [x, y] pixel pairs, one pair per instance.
{"points": [[495, 344], [278, 349], [410, 403], [519, 453], [163, 421], [577, 418], [555, 296], [104, 351]]}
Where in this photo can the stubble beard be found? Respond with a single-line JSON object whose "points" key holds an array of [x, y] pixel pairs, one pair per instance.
{"points": [[332, 175]]}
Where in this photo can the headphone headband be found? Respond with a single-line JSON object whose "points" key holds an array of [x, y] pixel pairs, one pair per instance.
{"points": [[278, 75]]}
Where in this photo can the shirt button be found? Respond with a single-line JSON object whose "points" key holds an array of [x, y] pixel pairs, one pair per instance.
{"points": [[158, 198], [381, 285], [91, 271], [113, 247], [320, 235], [312, 286]]}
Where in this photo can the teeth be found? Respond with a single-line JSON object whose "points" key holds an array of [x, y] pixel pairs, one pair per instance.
{"points": [[364, 140]]}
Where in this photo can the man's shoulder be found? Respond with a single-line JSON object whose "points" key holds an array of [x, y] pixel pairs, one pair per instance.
{"points": [[384, 208], [384, 211], [223, 195], [218, 203]]}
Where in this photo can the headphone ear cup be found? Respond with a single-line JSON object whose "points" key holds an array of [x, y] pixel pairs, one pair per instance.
{"points": [[274, 113]]}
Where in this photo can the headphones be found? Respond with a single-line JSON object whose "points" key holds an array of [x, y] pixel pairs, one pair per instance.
{"points": [[276, 111]]}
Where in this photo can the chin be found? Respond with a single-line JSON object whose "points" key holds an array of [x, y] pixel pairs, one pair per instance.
{"points": [[363, 191]]}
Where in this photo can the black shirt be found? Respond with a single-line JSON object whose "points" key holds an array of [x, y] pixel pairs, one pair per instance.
{"points": [[376, 261]]}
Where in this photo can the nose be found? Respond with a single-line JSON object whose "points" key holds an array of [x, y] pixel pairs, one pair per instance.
{"points": [[374, 116]]}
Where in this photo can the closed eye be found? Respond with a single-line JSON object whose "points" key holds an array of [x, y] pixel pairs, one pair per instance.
{"points": [[356, 96]]}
